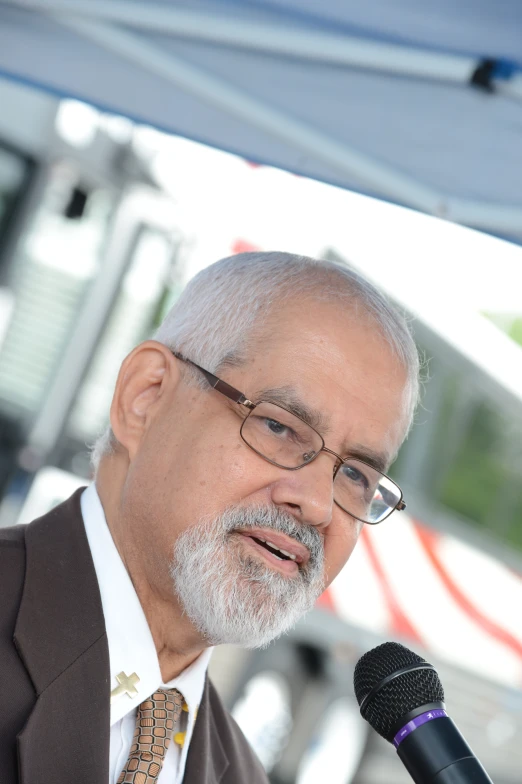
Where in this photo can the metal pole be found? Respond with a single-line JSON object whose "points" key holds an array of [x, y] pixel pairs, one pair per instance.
{"points": [[216, 92], [275, 39]]}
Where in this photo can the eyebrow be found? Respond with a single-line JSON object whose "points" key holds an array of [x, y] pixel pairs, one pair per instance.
{"points": [[288, 398], [377, 460]]}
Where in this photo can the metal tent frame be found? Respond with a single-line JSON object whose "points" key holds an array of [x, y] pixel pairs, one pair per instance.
{"points": [[124, 29]]}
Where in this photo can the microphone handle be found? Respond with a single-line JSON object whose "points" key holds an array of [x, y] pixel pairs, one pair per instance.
{"points": [[436, 753]]}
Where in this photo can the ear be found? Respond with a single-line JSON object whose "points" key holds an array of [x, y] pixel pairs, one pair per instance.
{"points": [[147, 375]]}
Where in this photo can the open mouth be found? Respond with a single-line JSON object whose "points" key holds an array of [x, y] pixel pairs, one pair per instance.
{"points": [[283, 560], [283, 555]]}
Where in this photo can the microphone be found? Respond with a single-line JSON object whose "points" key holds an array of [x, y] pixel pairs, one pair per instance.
{"points": [[400, 695]]}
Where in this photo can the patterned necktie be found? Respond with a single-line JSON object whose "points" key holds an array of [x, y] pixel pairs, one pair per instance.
{"points": [[155, 722]]}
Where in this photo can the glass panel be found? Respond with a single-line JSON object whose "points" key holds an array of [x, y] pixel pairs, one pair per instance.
{"points": [[56, 263], [131, 320], [466, 456], [13, 172], [483, 482]]}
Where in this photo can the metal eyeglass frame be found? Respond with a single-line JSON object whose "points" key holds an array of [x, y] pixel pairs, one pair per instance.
{"points": [[238, 397]]}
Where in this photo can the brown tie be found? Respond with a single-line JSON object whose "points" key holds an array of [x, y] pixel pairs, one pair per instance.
{"points": [[155, 722]]}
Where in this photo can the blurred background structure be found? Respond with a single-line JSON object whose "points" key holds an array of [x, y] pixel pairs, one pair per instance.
{"points": [[109, 203]]}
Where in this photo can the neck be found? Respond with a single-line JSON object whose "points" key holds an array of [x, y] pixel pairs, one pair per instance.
{"points": [[176, 645], [176, 641]]}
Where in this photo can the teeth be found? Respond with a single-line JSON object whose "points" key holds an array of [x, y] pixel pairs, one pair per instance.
{"points": [[285, 552], [275, 547]]}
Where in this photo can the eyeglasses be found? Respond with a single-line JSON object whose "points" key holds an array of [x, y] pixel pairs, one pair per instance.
{"points": [[287, 441]]}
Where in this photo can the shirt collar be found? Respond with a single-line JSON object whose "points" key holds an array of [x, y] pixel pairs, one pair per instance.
{"points": [[131, 647]]}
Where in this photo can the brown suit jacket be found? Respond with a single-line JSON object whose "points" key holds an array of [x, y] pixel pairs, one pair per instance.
{"points": [[54, 668]]}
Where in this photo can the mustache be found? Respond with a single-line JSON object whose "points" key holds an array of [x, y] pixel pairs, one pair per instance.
{"points": [[277, 520]]}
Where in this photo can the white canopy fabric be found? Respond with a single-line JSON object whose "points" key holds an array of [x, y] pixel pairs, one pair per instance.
{"points": [[417, 103]]}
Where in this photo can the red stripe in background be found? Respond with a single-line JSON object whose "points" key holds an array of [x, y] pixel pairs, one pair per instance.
{"points": [[429, 540], [243, 246], [325, 601], [401, 624]]}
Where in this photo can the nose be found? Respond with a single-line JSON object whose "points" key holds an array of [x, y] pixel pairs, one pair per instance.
{"points": [[308, 492]]}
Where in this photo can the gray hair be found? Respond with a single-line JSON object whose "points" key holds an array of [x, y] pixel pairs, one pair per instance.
{"points": [[222, 310]]}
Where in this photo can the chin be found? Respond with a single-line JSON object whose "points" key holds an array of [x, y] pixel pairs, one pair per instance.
{"points": [[241, 610], [232, 596]]}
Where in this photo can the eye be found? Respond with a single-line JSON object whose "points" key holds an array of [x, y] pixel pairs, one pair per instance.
{"points": [[276, 427], [354, 475]]}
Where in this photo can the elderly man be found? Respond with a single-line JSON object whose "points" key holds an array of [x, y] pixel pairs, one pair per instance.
{"points": [[247, 447]]}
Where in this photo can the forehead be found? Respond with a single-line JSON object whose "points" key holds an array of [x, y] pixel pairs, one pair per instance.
{"points": [[335, 362]]}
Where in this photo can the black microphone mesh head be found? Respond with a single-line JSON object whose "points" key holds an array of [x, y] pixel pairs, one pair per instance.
{"points": [[401, 695]]}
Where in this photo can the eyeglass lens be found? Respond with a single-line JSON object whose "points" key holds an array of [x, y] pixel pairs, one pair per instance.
{"points": [[284, 439]]}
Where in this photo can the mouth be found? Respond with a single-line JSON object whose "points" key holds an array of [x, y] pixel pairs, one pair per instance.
{"points": [[278, 551]]}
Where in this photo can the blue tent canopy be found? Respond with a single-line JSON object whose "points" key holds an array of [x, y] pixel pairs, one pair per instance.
{"points": [[416, 102]]}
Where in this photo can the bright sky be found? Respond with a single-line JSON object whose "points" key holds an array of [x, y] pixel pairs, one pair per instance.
{"points": [[398, 247], [442, 273], [414, 255]]}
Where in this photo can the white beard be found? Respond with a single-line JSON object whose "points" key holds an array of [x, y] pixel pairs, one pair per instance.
{"points": [[235, 598]]}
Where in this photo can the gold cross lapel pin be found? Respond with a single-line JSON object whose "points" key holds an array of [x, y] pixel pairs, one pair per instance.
{"points": [[126, 685]]}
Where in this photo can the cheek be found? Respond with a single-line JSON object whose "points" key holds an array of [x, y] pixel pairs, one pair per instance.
{"points": [[340, 540], [208, 476]]}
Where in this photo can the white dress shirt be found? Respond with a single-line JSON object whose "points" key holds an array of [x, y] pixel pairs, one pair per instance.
{"points": [[132, 650]]}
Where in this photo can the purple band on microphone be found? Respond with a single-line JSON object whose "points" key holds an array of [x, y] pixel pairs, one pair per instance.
{"points": [[418, 721]]}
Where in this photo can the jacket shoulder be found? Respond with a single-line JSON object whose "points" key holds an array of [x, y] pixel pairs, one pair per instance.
{"points": [[12, 568], [12, 537], [17, 694], [244, 765], [12, 576]]}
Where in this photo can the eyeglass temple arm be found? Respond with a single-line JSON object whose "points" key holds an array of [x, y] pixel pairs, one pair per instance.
{"points": [[221, 386]]}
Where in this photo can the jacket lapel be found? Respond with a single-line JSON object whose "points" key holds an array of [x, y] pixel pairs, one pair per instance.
{"points": [[60, 636], [207, 760]]}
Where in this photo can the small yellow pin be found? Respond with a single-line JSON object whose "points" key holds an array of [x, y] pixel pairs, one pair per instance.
{"points": [[179, 738]]}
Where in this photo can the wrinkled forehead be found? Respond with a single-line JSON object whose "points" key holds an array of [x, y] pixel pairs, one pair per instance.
{"points": [[337, 361], [331, 317]]}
